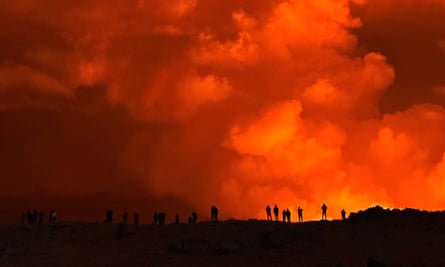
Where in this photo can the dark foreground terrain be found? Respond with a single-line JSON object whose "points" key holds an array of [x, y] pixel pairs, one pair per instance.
{"points": [[376, 236]]}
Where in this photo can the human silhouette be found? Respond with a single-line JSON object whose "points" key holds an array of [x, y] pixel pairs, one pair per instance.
{"points": [[288, 214], [41, 217], [177, 219], [136, 219], [194, 217], [108, 216], [276, 211], [214, 213], [324, 208], [190, 220], [161, 218], [29, 217], [300, 214], [343, 214], [125, 217], [284, 215], [52, 217], [269, 213], [34, 216], [155, 218]]}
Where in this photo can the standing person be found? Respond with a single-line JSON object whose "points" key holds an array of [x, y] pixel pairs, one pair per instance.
{"points": [[52, 217], [284, 215], [343, 214], [34, 216], [288, 214], [300, 214], [125, 217], [108, 216], [177, 219], [213, 213], [136, 219], [324, 209], [161, 218], [155, 218], [276, 211], [216, 211], [194, 217], [41, 217], [269, 213]]}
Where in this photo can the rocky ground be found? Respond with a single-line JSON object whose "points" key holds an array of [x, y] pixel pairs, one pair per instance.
{"points": [[375, 237]]}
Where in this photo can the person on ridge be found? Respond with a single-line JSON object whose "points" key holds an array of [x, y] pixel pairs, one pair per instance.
{"points": [[125, 217], [324, 209], [343, 214], [136, 219], [269, 213], [288, 214], [276, 211], [300, 214]]}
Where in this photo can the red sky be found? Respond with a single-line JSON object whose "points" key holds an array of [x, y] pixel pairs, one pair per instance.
{"points": [[180, 104]]}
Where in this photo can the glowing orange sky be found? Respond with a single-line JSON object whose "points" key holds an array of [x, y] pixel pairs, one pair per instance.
{"points": [[179, 104]]}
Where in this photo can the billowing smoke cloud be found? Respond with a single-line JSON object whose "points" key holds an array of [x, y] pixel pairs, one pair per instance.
{"points": [[185, 103]]}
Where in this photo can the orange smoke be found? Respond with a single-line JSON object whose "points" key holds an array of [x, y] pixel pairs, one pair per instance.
{"points": [[241, 105]]}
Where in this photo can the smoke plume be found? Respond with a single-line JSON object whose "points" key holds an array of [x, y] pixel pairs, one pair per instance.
{"points": [[181, 104]]}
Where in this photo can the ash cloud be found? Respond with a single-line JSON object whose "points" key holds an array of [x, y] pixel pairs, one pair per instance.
{"points": [[192, 103]]}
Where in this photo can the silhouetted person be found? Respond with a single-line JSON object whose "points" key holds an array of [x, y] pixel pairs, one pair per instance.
{"points": [[34, 216], [177, 219], [161, 218], [288, 214], [29, 217], [125, 217], [300, 214], [284, 215], [136, 219], [52, 217], [324, 209], [214, 213], [41, 217], [108, 216], [190, 220], [155, 218], [194, 217], [276, 211], [269, 213], [343, 214]]}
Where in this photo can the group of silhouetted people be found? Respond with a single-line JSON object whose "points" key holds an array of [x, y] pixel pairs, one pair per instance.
{"points": [[193, 219], [109, 217], [287, 214], [159, 218], [276, 211], [35, 217]]}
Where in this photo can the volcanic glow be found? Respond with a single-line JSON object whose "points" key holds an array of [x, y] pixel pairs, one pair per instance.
{"points": [[186, 103]]}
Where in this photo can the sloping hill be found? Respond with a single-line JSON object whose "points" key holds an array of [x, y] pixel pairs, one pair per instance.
{"points": [[393, 238]]}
